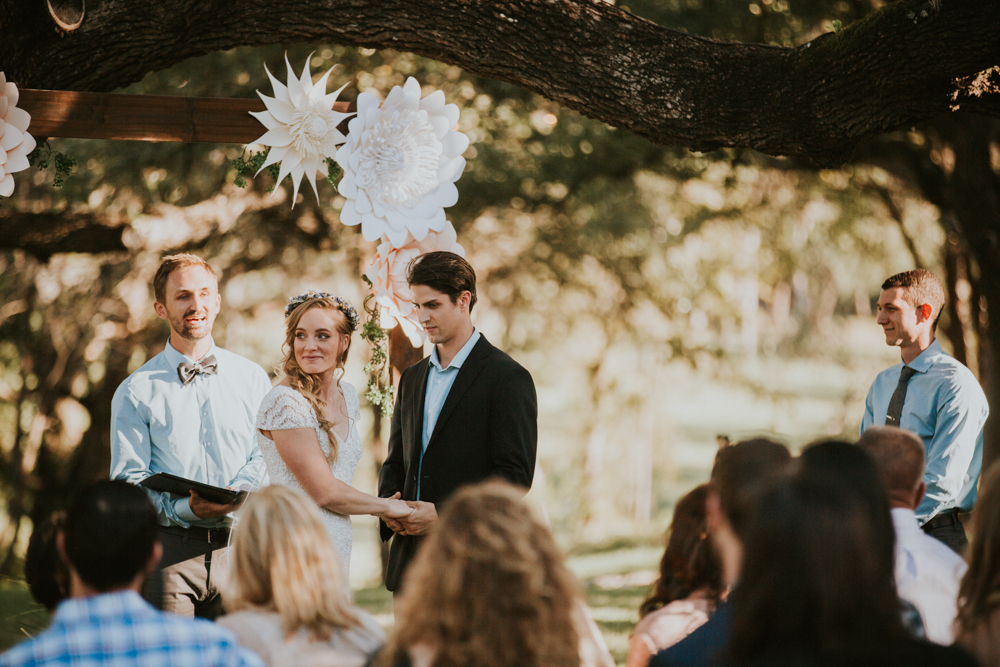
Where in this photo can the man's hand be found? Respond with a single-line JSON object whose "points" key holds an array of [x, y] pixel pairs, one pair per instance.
{"points": [[206, 509], [394, 524], [424, 516]]}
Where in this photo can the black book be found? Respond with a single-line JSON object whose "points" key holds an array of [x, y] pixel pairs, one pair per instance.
{"points": [[167, 483]]}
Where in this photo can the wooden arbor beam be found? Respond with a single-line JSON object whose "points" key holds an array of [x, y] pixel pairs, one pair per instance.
{"points": [[83, 115]]}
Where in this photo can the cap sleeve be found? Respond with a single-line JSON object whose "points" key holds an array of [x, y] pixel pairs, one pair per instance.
{"points": [[285, 408]]}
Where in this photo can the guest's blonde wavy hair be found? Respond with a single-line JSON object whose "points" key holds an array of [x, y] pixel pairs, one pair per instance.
{"points": [[489, 588], [282, 560], [306, 384]]}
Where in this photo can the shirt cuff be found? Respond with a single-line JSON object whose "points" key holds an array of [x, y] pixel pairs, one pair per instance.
{"points": [[183, 510]]}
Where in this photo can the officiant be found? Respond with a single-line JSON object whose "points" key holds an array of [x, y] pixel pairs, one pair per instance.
{"points": [[189, 411]]}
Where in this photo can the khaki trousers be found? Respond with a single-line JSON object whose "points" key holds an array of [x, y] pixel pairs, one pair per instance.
{"points": [[189, 576]]}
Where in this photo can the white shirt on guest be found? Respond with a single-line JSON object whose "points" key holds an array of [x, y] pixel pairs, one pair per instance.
{"points": [[927, 575]]}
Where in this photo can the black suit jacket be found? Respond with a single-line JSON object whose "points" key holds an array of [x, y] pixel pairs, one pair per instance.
{"points": [[488, 427]]}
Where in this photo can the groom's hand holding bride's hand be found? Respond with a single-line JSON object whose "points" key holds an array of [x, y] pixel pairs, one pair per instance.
{"points": [[420, 521], [397, 509]]}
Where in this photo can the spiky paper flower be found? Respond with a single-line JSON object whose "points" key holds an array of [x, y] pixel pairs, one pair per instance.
{"points": [[388, 277], [400, 162], [14, 138], [301, 126]]}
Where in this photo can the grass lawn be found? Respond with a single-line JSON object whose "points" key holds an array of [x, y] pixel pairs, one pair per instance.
{"points": [[615, 583]]}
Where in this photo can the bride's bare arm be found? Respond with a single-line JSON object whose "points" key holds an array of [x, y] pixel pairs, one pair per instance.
{"points": [[299, 449]]}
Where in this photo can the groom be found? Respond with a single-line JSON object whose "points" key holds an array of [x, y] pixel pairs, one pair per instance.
{"points": [[464, 414]]}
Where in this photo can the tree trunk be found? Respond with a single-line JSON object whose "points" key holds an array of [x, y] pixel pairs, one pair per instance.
{"points": [[905, 63]]}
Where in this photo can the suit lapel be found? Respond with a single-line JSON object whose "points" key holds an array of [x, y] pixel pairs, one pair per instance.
{"points": [[467, 374], [420, 396]]}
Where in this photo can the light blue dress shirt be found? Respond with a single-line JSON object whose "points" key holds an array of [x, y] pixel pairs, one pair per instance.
{"points": [[203, 431], [947, 408], [439, 382]]}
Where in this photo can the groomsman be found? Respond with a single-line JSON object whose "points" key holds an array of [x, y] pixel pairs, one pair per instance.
{"points": [[464, 414], [189, 411], [933, 395]]}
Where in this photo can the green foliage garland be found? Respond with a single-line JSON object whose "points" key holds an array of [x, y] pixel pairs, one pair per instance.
{"points": [[380, 390], [62, 165]]}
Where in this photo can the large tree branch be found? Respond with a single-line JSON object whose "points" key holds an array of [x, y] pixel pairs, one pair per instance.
{"points": [[906, 63]]}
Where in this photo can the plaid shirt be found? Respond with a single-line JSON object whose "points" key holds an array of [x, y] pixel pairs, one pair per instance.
{"points": [[120, 628]]}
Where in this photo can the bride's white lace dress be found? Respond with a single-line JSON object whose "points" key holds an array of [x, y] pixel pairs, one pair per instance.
{"points": [[285, 408]]}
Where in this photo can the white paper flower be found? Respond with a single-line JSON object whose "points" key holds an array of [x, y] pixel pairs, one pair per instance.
{"points": [[400, 163], [14, 138], [388, 276], [301, 126]]}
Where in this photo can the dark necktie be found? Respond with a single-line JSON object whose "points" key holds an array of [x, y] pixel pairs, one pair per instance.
{"points": [[895, 410], [208, 366]]}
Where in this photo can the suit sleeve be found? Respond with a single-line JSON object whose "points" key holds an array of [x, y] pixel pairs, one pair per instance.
{"points": [[393, 474], [514, 425]]}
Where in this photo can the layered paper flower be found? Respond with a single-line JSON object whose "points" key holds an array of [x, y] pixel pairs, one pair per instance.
{"points": [[388, 277], [301, 126], [14, 138], [400, 162]]}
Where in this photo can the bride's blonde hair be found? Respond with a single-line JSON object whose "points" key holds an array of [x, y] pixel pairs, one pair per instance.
{"points": [[305, 383]]}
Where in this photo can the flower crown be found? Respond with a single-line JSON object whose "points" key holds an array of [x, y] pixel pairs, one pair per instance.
{"points": [[343, 304]]}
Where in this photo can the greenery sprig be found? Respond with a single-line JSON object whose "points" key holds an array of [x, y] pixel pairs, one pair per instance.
{"points": [[62, 165], [380, 390], [249, 163]]}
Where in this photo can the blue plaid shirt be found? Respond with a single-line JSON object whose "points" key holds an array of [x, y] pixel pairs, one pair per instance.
{"points": [[120, 629]]}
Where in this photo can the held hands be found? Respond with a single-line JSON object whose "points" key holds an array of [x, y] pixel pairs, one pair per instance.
{"points": [[416, 519], [420, 521]]}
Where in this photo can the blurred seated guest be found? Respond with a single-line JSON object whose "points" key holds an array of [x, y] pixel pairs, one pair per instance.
{"points": [[844, 465], [489, 589], [110, 544], [928, 573], [287, 590], [737, 474], [818, 587], [44, 569], [689, 586], [977, 626]]}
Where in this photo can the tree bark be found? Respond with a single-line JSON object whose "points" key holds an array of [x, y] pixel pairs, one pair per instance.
{"points": [[905, 63]]}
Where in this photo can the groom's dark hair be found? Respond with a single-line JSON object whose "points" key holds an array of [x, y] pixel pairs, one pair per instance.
{"points": [[445, 272], [110, 533]]}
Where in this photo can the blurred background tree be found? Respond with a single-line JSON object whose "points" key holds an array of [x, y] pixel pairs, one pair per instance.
{"points": [[659, 297]]}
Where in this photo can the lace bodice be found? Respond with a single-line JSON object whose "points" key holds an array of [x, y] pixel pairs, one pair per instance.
{"points": [[285, 408]]}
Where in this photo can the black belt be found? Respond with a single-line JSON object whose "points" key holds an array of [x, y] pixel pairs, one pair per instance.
{"points": [[942, 520], [211, 535]]}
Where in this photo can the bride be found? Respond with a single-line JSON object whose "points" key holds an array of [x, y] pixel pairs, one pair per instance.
{"points": [[307, 424]]}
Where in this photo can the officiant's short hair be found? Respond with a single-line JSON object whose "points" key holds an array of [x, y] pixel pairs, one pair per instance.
{"points": [[445, 272], [171, 263], [110, 533]]}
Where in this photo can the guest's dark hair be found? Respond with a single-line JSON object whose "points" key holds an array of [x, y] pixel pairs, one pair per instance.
{"points": [[110, 533], [844, 465], [979, 592], [740, 470], [44, 569], [445, 272], [689, 563], [818, 564]]}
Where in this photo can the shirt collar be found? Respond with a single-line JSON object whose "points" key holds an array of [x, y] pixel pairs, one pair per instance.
{"points": [[175, 358], [926, 359], [102, 605], [462, 355], [904, 520]]}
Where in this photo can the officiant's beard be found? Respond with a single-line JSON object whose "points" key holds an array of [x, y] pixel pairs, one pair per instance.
{"points": [[192, 332]]}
